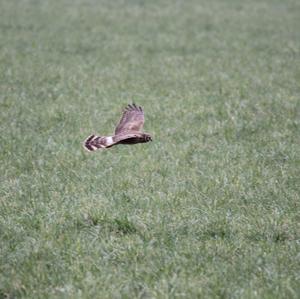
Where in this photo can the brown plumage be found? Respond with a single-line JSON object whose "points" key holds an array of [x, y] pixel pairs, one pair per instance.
{"points": [[128, 131]]}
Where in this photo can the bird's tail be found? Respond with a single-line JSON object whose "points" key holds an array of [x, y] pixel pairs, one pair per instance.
{"points": [[94, 142]]}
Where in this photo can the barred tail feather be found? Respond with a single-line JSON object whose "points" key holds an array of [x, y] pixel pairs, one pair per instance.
{"points": [[91, 143], [94, 142]]}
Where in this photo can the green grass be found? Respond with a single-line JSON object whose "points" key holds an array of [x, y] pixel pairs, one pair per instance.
{"points": [[210, 209]]}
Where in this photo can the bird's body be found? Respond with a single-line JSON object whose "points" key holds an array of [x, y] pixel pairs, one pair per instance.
{"points": [[128, 131]]}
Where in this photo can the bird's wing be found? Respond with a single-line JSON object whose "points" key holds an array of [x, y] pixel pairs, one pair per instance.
{"points": [[131, 120], [127, 137]]}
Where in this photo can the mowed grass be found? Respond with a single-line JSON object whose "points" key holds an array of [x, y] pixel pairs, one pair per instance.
{"points": [[209, 209]]}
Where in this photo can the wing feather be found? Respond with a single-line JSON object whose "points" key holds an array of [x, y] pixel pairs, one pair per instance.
{"points": [[133, 136], [132, 119]]}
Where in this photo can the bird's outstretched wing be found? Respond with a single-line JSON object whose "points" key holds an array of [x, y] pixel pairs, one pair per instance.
{"points": [[131, 120]]}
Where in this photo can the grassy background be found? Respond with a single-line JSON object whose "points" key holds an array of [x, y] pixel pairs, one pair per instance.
{"points": [[210, 209]]}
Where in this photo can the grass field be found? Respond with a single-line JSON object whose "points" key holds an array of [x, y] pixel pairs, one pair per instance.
{"points": [[210, 208]]}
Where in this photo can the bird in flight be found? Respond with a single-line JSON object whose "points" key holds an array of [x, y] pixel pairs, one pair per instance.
{"points": [[128, 131]]}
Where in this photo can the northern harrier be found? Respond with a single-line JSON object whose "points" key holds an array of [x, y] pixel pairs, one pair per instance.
{"points": [[128, 131]]}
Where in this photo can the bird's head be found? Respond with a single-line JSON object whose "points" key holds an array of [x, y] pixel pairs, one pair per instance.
{"points": [[147, 137]]}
